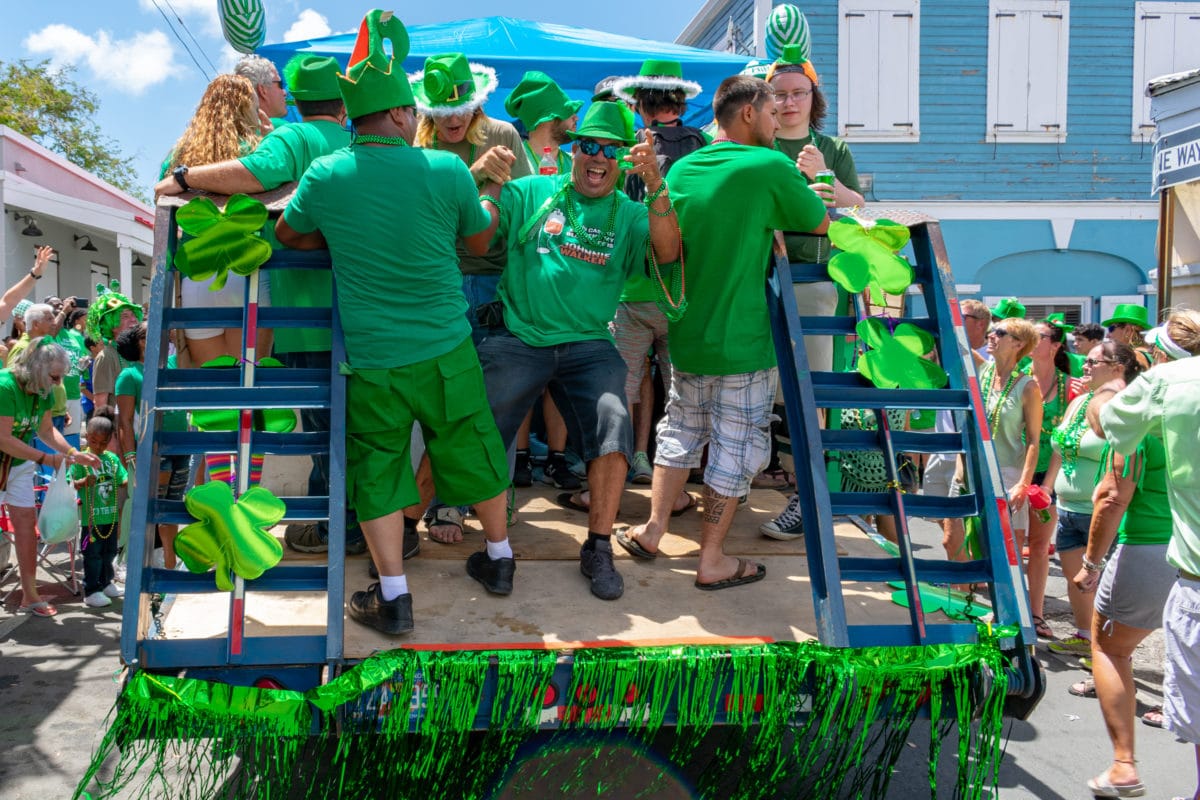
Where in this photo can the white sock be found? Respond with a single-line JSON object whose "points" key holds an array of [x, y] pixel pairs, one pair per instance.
{"points": [[501, 549], [392, 586]]}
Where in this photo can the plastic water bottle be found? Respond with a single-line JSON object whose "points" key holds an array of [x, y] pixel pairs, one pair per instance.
{"points": [[550, 229], [548, 164]]}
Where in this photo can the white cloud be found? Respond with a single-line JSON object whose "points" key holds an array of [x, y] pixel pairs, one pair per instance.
{"points": [[131, 65], [205, 9], [309, 25]]}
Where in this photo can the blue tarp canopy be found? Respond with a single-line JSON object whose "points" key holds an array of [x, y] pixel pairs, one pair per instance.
{"points": [[577, 58]]}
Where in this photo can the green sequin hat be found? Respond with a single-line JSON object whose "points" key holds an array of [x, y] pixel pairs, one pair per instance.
{"points": [[1008, 308], [606, 121], [537, 99], [374, 81], [310, 77], [20, 308], [1128, 314], [449, 85], [656, 73], [1060, 322], [104, 314], [757, 69]]}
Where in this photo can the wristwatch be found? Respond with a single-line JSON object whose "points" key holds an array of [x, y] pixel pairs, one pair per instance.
{"points": [[34, 275], [180, 176]]}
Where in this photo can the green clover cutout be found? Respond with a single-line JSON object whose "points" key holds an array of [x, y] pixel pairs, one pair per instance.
{"points": [[868, 257], [223, 241], [894, 359], [230, 535]]}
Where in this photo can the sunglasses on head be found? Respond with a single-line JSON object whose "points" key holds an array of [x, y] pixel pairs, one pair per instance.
{"points": [[590, 147]]}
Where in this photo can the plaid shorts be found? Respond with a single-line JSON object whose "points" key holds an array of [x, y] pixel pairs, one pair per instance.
{"points": [[636, 329], [731, 414]]}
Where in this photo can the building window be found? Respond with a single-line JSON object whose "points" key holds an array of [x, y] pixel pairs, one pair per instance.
{"points": [[1027, 70], [1164, 42], [879, 70], [1075, 310]]}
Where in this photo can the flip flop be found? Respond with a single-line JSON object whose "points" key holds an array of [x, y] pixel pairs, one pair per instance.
{"points": [[1083, 688], [1042, 630], [739, 578], [1153, 717], [1101, 786], [571, 501], [691, 503], [633, 546], [40, 609]]}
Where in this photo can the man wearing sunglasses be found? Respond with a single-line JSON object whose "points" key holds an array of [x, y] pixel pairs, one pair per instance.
{"points": [[573, 241]]}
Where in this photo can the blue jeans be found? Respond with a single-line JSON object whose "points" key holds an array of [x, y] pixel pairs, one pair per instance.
{"points": [[479, 290], [586, 380], [314, 420]]}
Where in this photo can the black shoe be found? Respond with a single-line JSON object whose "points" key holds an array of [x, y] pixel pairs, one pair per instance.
{"points": [[412, 543], [596, 563], [558, 473], [523, 473], [392, 617], [496, 574]]}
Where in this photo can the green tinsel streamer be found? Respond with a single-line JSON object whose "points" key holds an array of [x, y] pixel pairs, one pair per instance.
{"points": [[800, 719]]}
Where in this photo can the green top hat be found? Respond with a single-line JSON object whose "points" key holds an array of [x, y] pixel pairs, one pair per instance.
{"points": [[1009, 308], [656, 73], [373, 80], [449, 85], [310, 77], [537, 99], [1060, 322], [1128, 313], [606, 121], [792, 59]]}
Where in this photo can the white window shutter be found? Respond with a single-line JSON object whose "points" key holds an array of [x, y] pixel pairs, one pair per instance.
{"points": [[858, 94], [1046, 85], [1158, 54], [1012, 77], [897, 92]]}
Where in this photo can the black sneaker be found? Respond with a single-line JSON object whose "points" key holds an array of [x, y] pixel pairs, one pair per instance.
{"points": [[393, 617], [523, 473], [558, 473], [496, 574], [597, 563]]}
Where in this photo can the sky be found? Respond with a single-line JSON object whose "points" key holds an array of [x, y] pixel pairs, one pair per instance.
{"points": [[126, 53]]}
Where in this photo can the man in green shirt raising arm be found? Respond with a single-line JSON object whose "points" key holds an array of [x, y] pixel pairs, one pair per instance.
{"points": [[730, 197]]}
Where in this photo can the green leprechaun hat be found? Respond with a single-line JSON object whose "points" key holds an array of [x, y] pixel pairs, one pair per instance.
{"points": [[450, 85], [1128, 314], [104, 314], [606, 121], [656, 73], [374, 80], [1008, 308], [792, 59], [310, 77], [1059, 321], [537, 99]]}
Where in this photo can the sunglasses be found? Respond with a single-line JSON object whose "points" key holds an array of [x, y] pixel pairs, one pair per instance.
{"points": [[590, 147], [56, 378], [1091, 362], [999, 333]]}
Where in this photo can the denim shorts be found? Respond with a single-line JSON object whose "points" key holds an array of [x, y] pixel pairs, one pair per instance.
{"points": [[1072, 530]]}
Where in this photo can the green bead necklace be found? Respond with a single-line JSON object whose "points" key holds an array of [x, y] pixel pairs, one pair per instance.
{"points": [[581, 235], [993, 414], [1070, 435]]}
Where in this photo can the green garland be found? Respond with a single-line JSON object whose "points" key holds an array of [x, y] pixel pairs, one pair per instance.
{"points": [[802, 719]]}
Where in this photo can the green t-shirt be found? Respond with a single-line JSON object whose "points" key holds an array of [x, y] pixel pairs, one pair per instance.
{"points": [[71, 340], [495, 133], [282, 157], [18, 346], [58, 398], [1147, 519], [730, 198], [816, 249], [99, 505], [391, 217], [25, 409], [129, 383], [569, 293]]}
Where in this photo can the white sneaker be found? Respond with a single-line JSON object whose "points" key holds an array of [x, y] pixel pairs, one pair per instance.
{"points": [[114, 590], [97, 600]]}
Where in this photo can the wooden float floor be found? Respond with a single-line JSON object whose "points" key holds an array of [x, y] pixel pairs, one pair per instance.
{"points": [[551, 605]]}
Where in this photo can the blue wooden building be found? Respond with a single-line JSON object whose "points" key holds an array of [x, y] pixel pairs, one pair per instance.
{"points": [[1023, 125]]}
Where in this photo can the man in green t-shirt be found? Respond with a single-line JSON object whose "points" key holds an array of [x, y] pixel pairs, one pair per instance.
{"points": [[573, 241], [390, 216], [280, 158], [724, 380]]}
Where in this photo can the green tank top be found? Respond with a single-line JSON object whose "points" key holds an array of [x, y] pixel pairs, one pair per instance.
{"points": [[1147, 520], [1052, 414]]}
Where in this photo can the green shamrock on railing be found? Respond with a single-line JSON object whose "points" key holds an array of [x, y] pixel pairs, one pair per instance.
{"points": [[230, 535], [868, 257], [894, 359], [224, 241]]}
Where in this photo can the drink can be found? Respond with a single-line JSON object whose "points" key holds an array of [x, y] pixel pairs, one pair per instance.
{"points": [[825, 176]]}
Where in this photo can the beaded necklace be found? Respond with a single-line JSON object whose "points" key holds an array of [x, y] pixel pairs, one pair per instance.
{"points": [[1070, 435], [1050, 422], [368, 138], [580, 234], [92, 494], [993, 414]]}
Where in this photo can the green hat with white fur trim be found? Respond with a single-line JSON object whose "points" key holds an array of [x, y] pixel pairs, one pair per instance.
{"points": [[450, 85], [656, 73]]}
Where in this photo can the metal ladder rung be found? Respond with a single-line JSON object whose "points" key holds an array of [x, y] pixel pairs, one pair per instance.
{"points": [[231, 378], [884, 570], [231, 317], [280, 578], [186, 443], [174, 512], [905, 441], [258, 397], [256, 651]]}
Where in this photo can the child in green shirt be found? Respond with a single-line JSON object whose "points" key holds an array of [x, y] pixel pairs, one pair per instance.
{"points": [[99, 514]]}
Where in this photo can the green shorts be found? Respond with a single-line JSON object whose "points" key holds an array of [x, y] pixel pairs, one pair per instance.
{"points": [[445, 395]]}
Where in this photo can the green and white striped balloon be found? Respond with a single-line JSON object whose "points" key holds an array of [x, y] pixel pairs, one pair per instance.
{"points": [[244, 23], [785, 26]]}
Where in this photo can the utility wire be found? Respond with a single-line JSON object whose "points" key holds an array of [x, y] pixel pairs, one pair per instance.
{"points": [[187, 49], [191, 36]]}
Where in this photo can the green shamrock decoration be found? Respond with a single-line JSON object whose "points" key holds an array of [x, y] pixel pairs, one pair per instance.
{"points": [[868, 256], [230, 535], [223, 241], [894, 360]]}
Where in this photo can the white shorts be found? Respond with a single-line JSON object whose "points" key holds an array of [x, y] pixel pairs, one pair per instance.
{"points": [[730, 413], [19, 491], [939, 474], [1181, 675], [196, 294]]}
